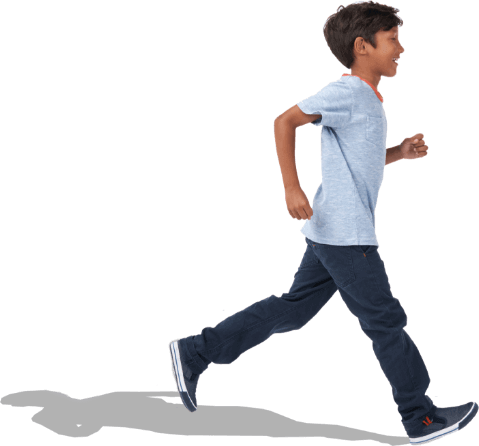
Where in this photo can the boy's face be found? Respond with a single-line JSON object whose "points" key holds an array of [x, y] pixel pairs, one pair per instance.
{"points": [[377, 62]]}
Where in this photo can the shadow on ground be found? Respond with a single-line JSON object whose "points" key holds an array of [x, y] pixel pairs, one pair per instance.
{"points": [[146, 410]]}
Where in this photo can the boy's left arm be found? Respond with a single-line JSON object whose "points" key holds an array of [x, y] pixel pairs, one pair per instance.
{"points": [[410, 148]]}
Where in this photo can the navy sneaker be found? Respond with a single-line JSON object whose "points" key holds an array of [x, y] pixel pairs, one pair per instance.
{"points": [[444, 421], [186, 380]]}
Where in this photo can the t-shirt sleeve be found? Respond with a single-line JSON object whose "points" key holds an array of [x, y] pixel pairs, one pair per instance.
{"points": [[334, 103]]}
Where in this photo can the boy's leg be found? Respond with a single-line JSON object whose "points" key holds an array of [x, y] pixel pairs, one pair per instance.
{"points": [[363, 284], [311, 289]]}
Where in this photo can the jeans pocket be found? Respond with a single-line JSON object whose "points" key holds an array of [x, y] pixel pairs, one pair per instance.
{"points": [[339, 263], [309, 257]]}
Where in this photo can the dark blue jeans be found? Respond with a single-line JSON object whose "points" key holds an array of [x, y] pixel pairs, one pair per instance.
{"points": [[359, 274]]}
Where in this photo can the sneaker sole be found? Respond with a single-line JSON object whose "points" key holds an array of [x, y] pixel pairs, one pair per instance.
{"points": [[178, 374], [448, 430]]}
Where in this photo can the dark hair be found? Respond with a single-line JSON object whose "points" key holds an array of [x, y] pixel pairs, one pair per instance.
{"points": [[362, 19]]}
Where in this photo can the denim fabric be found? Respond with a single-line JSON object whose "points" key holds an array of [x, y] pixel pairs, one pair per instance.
{"points": [[359, 274]]}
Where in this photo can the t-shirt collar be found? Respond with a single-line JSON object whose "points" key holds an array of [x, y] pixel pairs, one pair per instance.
{"points": [[369, 83]]}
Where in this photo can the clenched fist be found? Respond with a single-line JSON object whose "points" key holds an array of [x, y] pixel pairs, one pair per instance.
{"points": [[298, 204]]}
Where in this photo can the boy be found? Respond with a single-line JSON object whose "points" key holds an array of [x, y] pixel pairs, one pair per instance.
{"points": [[342, 249]]}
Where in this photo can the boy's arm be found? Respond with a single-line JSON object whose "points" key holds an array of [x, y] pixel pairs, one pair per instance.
{"points": [[393, 154], [285, 133]]}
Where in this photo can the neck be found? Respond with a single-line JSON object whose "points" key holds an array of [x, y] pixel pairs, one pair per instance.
{"points": [[366, 74]]}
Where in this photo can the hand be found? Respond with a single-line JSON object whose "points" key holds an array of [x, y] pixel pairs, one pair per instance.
{"points": [[412, 148], [298, 204]]}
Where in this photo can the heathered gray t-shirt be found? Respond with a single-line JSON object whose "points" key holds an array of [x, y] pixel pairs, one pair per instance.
{"points": [[353, 156]]}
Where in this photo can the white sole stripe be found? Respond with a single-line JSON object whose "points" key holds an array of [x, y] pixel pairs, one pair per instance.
{"points": [[177, 364]]}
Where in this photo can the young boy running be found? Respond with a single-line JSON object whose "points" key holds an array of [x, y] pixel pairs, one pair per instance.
{"points": [[342, 249]]}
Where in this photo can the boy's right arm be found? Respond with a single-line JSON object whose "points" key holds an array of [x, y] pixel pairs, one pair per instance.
{"points": [[285, 133], [296, 117]]}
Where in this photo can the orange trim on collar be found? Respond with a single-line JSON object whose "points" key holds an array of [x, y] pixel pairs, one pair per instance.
{"points": [[369, 83]]}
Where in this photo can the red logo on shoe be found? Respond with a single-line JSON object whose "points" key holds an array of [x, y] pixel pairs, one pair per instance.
{"points": [[428, 422]]}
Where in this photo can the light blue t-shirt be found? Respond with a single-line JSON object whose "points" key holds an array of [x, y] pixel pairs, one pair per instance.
{"points": [[353, 156]]}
